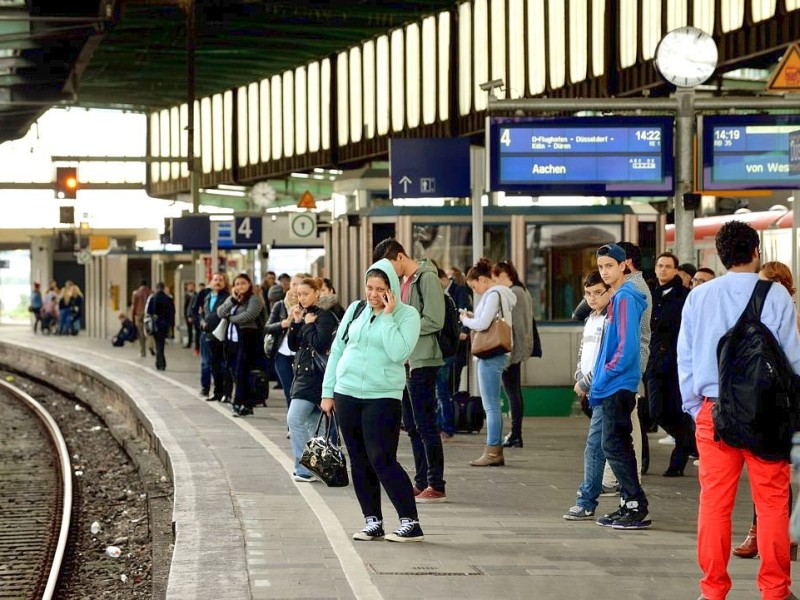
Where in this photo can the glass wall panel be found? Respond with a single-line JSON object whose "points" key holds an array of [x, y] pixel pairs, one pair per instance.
{"points": [[356, 99], [598, 37], [451, 245], [498, 50], [242, 127], [628, 32], [703, 17], [206, 133], [413, 76], [368, 70], [792, 5], [276, 112], [218, 132], [444, 65], [288, 113], [464, 58], [155, 143], [557, 46], [265, 121], [578, 36], [480, 52], [516, 48], [398, 81], [732, 15], [556, 262], [762, 9], [227, 103], [253, 127], [184, 124], [175, 140], [313, 108], [325, 103], [429, 70], [165, 145], [537, 68], [651, 27], [342, 120], [300, 110], [677, 14], [382, 102]]}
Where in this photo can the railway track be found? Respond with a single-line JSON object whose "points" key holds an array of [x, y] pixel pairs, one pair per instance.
{"points": [[35, 497]]}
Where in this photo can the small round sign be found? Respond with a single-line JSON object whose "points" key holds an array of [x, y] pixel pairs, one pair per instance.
{"points": [[303, 225]]}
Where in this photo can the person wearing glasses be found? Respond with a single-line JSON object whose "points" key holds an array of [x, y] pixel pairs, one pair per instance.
{"points": [[597, 295], [703, 275], [617, 374], [661, 376]]}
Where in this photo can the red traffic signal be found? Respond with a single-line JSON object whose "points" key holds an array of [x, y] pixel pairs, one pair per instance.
{"points": [[66, 182]]}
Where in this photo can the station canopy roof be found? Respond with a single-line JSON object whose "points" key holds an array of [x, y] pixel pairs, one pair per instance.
{"points": [[132, 54]]}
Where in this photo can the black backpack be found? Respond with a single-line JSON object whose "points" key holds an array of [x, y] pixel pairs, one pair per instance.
{"points": [[447, 336], [757, 408], [362, 304]]}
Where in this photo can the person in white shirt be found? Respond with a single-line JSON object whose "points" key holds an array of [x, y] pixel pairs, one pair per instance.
{"points": [[597, 294]]}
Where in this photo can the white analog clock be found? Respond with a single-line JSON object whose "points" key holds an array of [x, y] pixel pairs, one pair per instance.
{"points": [[686, 56]]}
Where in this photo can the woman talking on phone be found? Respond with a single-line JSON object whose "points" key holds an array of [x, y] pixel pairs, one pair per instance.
{"points": [[246, 314], [364, 380], [310, 336]]}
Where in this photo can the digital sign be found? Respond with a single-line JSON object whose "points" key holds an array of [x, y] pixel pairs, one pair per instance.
{"points": [[599, 156], [746, 152]]}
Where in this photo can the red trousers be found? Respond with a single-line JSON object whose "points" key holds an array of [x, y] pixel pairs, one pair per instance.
{"points": [[720, 469]]}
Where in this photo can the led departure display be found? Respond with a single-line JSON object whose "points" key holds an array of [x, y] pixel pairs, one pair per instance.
{"points": [[746, 152], [607, 156]]}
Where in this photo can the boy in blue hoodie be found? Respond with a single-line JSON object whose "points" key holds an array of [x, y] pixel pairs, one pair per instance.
{"points": [[617, 373]]}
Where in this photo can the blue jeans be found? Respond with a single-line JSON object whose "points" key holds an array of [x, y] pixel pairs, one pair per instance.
{"points": [[445, 419], [205, 362], [302, 420], [618, 445], [419, 421], [490, 371], [285, 373], [593, 463]]}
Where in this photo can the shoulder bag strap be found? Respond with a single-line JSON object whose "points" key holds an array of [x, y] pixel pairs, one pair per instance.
{"points": [[757, 300]]}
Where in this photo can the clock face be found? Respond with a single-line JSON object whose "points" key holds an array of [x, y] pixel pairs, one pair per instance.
{"points": [[686, 57]]}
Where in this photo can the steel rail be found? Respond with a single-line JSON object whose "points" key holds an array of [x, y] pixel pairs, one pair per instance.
{"points": [[66, 479]]}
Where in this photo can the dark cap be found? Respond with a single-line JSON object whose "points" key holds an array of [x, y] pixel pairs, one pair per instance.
{"points": [[612, 251], [688, 268]]}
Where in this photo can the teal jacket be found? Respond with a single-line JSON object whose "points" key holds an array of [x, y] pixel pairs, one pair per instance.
{"points": [[427, 296], [371, 364]]}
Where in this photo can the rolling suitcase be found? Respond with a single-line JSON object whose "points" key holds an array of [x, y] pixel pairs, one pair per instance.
{"points": [[467, 412]]}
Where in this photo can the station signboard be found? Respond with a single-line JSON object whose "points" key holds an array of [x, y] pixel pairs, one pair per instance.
{"points": [[606, 156], [193, 232], [747, 152], [429, 167]]}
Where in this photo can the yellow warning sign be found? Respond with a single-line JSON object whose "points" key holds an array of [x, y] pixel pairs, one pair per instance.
{"points": [[787, 76], [306, 201]]}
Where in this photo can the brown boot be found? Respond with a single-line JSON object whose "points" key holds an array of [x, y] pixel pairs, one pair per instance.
{"points": [[492, 457], [749, 547]]}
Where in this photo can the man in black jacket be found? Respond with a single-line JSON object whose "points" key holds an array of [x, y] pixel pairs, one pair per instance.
{"points": [[661, 375], [162, 307]]}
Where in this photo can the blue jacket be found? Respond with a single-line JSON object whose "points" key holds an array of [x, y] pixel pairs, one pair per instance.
{"points": [[371, 364], [618, 365]]}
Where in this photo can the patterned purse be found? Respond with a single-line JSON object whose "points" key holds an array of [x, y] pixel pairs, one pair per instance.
{"points": [[324, 457]]}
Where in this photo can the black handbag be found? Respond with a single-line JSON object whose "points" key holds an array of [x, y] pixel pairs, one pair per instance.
{"points": [[324, 457]]}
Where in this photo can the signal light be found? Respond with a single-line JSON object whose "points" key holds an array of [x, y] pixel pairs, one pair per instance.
{"points": [[67, 182]]}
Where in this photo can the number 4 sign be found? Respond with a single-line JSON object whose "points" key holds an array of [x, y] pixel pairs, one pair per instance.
{"points": [[247, 232]]}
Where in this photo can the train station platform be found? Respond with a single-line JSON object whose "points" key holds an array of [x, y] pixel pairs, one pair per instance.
{"points": [[244, 529]]}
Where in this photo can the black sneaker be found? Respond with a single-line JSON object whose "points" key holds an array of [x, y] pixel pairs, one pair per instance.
{"points": [[608, 519], [204, 392], [632, 519], [409, 531], [372, 531]]}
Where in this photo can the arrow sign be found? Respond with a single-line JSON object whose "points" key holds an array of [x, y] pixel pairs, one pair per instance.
{"points": [[404, 182], [429, 167]]}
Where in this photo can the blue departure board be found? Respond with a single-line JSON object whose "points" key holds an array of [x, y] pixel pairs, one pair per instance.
{"points": [[746, 152], [598, 156]]}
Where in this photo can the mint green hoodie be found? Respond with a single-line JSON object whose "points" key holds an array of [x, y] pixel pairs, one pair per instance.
{"points": [[371, 364]]}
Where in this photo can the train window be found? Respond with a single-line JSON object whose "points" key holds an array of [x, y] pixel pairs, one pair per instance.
{"points": [[557, 259], [451, 245]]}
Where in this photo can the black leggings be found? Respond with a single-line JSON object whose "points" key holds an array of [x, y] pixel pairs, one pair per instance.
{"points": [[512, 383], [371, 430]]}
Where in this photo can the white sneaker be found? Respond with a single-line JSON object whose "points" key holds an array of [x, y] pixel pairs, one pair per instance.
{"points": [[667, 440], [696, 463], [299, 477]]}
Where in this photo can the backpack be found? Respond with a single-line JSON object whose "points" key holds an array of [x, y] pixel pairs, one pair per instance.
{"points": [[757, 408], [447, 336]]}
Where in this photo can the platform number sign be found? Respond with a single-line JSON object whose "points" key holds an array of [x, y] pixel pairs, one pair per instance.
{"points": [[247, 232]]}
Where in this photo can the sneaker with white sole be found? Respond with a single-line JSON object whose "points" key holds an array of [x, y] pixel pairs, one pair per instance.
{"points": [[409, 531], [301, 478], [632, 519], [667, 440], [607, 520], [578, 513], [372, 531]]}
